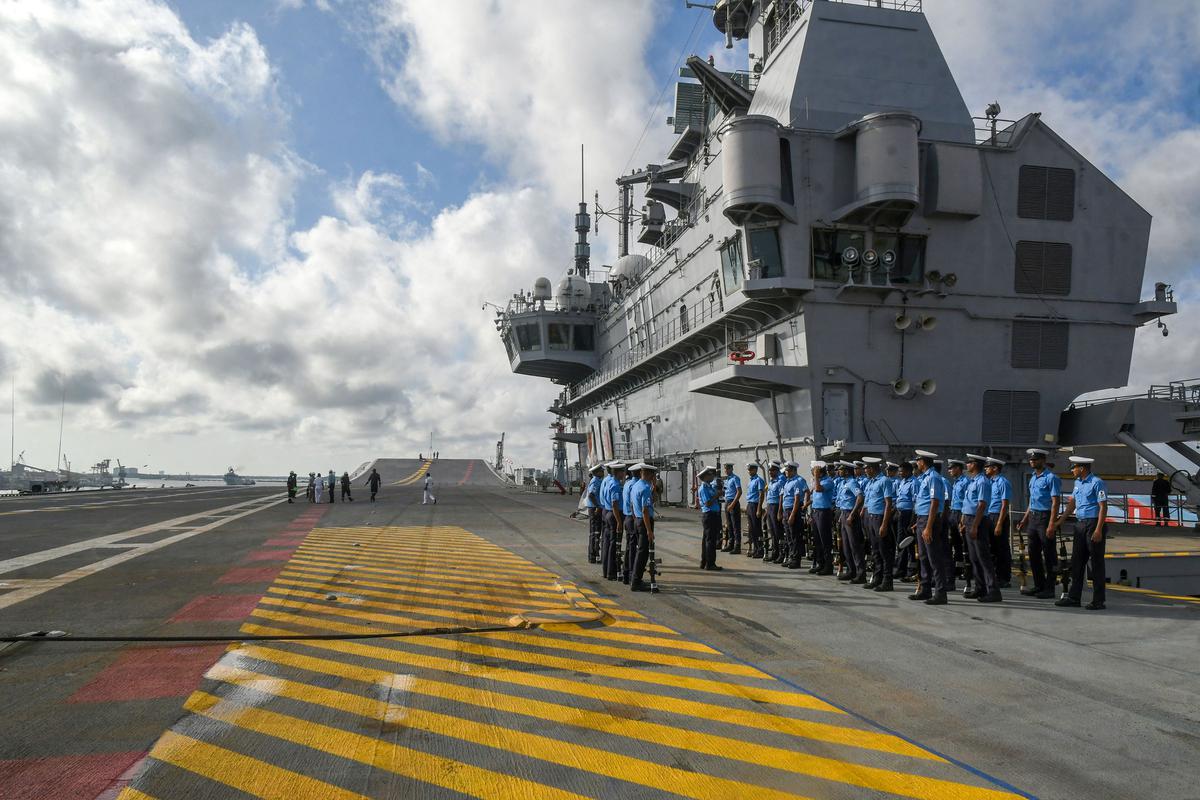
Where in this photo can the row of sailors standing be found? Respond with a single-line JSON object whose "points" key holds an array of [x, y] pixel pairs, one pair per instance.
{"points": [[621, 510], [939, 522]]}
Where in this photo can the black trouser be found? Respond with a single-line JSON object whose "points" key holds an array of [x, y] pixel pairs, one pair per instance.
{"points": [[1001, 547], [752, 512], [1043, 560], [374, 491], [905, 558], [795, 535], [631, 526], [823, 538], [1086, 551], [852, 545], [980, 551], [957, 549], [733, 522], [883, 543], [608, 543], [772, 547], [346, 494], [710, 541], [1161, 514], [641, 542], [937, 570], [597, 520]]}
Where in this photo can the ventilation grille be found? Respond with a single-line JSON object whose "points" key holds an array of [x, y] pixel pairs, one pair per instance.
{"points": [[1039, 345], [1046, 193], [1010, 417], [689, 107], [1043, 268]]}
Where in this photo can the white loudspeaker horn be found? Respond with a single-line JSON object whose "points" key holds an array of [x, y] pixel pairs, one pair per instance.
{"points": [[927, 323], [901, 387], [902, 322], [928, 386]]}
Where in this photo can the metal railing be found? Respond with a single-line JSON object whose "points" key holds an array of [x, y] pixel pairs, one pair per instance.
{"points": [[1187, 391], [991, 132], [787, 12]]}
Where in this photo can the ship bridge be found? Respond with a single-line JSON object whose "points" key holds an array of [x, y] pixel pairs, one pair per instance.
{"points": [[549, 339]]}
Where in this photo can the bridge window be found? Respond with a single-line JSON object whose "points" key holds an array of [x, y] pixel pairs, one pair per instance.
{"points": [[585, 337], [765, 260], [558, 336], [528, 337], [731, 263]]}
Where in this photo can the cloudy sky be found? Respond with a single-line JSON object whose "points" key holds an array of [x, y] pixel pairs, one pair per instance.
{"points": [[260, 232]]}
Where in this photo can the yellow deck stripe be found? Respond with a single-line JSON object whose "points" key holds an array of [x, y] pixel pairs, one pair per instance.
{"points": [[435, 770], [430, 546], [326, 587], [246, 774], [129, 793], [1152, 593], [544, 748], [571, 715], [428, 611], [416, 476], [408, 587], [752, 693], [394, 621], [360, 556], [444, 577]]}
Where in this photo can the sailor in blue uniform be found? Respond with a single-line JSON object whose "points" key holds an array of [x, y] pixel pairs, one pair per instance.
{"points": [[595, 512], [610, 502], [974, 528], [906, 487], [733, 510], [958, 485], [1045, 493], [998, 514], [643, 513], [1089, 503], [849, 500], [710, 517], [822, 493], [773, 547], [932, 550], [755, 485], [625, 559], [879, 504], [795, 498]]}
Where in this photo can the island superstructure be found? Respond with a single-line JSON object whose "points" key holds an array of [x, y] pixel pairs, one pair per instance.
{"points": [[837, 258]]}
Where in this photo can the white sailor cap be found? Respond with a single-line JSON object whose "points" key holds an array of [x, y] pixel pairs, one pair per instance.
{"points": [[751, 465], [597, 468], [995, 462], [926, 454], [1037, 452], [976, 457], [705, 470], [871, 460], [956, 462], [615, 465], [635, 467], [858, 463], [846, 464], [893, 465], [772, 465], [1081, 460], [650, 467], [792, 465], [816, 465]]}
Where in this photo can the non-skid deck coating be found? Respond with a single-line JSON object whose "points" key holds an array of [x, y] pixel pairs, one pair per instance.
{"points": [[610, 705]]}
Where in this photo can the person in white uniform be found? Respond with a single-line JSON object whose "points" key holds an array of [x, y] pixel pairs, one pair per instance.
{"points": [[319, 492], [429, 498]]}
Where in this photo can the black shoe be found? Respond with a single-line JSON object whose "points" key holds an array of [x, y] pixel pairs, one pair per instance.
{"points": [[861, 579], [826, 571], [909, 579], [938, 599], [920, 596], [1045, 594], [970, 594], [792, 565], [994, 597], [814, 569], [714, 568], [1094, 606], [638, 586], [844, 576], [737, 551], [1031, 591], [703, 565], [1067, 602], [885, 586]]}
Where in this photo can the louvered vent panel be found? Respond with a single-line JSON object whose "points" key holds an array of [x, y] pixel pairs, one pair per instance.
{"points": [[997, 415], [1026, 345], [1056, 270], [1031, 192], [1025, 410], [1055, 341], [689, 107], [1060, 194], [1030, 261], [1042, 268]]}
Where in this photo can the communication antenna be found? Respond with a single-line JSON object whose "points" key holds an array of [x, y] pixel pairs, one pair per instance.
{"points": [[62, 410], [583, 222]]}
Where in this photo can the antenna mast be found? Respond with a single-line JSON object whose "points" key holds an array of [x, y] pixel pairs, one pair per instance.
{"points": [[583, 221]]}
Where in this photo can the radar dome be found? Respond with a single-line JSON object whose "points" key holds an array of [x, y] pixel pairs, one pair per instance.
{"points": [[543, 289], [630, 267], [574, 292]]}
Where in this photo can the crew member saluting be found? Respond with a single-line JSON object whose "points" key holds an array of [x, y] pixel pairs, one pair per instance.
{"points": [[822, 518], [710, 518], [1089, 503], [795, 493], [754, 493], [1045, 493], [773, 548], [733, 510], [595, 511]]}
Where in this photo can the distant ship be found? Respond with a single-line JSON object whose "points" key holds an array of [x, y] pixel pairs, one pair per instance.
{"points": [[233, 479]]}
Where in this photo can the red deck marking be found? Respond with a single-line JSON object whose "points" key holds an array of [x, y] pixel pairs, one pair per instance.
{"points": [[63, 777], [124, 779], [250, 575], [285, 541], [149, 672], [270, 555], [216, 607], [467, 475]]}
